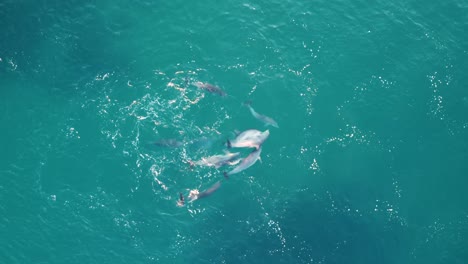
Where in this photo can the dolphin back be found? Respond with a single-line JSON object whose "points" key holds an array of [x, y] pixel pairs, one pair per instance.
{"points": [[210, 191], [245, 163]]}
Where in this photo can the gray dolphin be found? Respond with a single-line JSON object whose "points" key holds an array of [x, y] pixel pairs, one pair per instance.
{"points": [[246, 163], [218, 160], [195, 194], [251, 138], [168, 143], [268, 121], [202, 142], [210, 88]]}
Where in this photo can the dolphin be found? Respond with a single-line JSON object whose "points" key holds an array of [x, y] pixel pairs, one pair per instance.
{"points": [[195, 194], [218, 160], [246, 163], [168, 143], [210, 88], [202, 142], [251, 138], [268, 121]]}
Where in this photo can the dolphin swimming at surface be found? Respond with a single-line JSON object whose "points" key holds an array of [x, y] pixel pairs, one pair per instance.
{"points": [[251, 138], [195, 194], [268, 121], [218, 160], [210, 88], [246, 163]]}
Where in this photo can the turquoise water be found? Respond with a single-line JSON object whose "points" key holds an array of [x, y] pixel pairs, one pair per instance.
{"points": [[368, 164]]}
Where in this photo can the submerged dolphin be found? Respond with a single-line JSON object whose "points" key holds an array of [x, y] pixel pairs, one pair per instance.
{"points": [[246, 163], [168, 143], [268, 121], [195, 194], [218, 160], [210, 88], [202, 142], [249, 139]]}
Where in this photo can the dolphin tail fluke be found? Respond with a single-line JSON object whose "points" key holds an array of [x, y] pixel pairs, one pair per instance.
{"points": [[226, 175]]}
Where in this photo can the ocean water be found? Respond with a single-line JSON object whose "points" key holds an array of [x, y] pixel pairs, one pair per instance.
{"points": [[368, 164]]}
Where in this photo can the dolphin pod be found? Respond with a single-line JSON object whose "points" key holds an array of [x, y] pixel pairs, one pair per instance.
{"points": [[251, 138]]}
